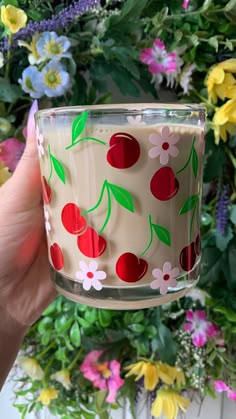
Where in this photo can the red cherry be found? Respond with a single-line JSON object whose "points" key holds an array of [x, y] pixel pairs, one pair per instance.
{"points": [[198, 245], [72, 220], [124, 150], [164, 185], [188, 257], [91, 244], [46, 190], [56, 256], [130, 268]]}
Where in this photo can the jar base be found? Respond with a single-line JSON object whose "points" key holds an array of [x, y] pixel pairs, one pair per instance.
{"points": [[126, 298]]}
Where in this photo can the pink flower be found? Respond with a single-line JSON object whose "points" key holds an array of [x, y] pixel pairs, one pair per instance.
{"points": [[185, 4], [165, 278], [164, 145], [199, 326], [11, 151], [221, 386], [104, 375], [158, 59], [90, 276]]}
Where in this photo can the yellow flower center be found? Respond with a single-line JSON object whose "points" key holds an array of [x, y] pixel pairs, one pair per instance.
{"points": [[103, 369], [53, 79], [54, 48]]}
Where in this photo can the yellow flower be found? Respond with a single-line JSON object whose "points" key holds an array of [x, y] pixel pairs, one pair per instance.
{"points": [[13, 18], [179, 376], [220, 81], [152, 373], [34, 57], [47, 394], [224, 120], [31, 367], [4, 174], [168, 402], [62, 377]]}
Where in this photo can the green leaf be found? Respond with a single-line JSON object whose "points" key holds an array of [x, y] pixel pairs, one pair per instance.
{"points": [[45, 324], [63, 323], [189, 204], [222, 241], [162, 234], [230, 6], [100, 402], [228, 313], [78, 126], [122, 196], [165, 345], [104, 317], [58, 167], [75, 334], [137, 328], [9, 92], [232, 215], [194, 162]]}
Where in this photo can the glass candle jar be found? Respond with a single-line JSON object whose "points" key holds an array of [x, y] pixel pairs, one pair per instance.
{"points": [[122, 201]]}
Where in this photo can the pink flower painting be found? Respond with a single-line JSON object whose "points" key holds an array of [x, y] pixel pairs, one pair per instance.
{"points": [[164, 145], [90, 276], [199, 326], [11, 151], [158, 59], [104, 375], [164, 278]]}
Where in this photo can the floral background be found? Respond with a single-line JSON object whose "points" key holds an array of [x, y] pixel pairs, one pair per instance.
{"points": [[81, 361]]}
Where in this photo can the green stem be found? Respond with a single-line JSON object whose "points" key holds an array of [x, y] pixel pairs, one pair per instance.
{"points": [[46, 369], [85, 139], [50, 174], [72, 364], [187, 14], [45, 350], [7, 71], [104, 186], [108, 211], [189, 159], [151, 235]]}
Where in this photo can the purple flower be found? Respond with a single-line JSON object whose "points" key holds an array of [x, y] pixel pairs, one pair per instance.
{"points": [[222, 211], [59, 21], [185, 4], [104, 375], [199, 326], [158, 59]]}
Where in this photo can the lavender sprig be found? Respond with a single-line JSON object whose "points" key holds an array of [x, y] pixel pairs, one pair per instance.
{"points": [[222, 211], [56, 22]]}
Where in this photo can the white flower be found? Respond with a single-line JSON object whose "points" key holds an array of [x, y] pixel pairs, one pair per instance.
{"points": [[135, 120], [164, 145], [31, 367], [46, 219], [198, 294], [186, 77], [40, 140], [62, 377], [164, 278], [90, 276]]}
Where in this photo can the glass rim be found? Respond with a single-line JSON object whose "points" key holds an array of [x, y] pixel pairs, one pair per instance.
{"points": [[156, 108]]}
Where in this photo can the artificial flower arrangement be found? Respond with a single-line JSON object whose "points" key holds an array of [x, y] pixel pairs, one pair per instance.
{"points": [[79, 361]]}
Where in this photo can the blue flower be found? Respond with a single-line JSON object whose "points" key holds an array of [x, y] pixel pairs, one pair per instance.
{"points": [[52, 46], [30, 82], [55, 80]]}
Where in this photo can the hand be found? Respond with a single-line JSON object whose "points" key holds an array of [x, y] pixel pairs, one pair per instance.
{"points": [[25, 284]]}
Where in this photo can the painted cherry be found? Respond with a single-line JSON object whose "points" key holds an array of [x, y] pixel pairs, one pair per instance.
{"points": [[188, 257], [56, 256], [91, 244], [130, 268], [164, 185], [46, 190], [72, 220], [197, 245], [124, 150]]}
